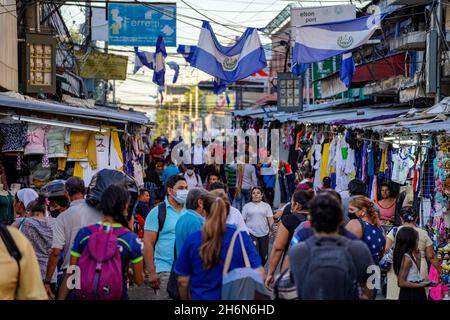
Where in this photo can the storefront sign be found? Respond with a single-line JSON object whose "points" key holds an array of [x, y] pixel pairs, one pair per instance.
{"points": [[102, 66], [290, 97], [40, 62], [141, 24], [308, 16]]}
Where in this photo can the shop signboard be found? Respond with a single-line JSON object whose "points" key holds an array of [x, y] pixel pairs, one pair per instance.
{"points": [[141, 24], [290, 95], [99, 65], [316, 15]]}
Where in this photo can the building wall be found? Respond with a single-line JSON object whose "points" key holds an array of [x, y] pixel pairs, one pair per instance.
{"points": [[277, 62], [9, 75]]}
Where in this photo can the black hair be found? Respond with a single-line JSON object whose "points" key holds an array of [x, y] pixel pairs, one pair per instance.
{"points": [[303, 197], [173, 179], [114, 201], [405, 242], [260, 189], [218, 185], [309, 175], [62, 201], [408, 214], [326, 182], [142, 191], [327, 213], [387, 184], [332, 192], [75, 185], [214, 173], [357, 187], [37, 205]]}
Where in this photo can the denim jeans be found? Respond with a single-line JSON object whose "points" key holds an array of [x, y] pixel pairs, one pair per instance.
{"points": [[240, 201]]}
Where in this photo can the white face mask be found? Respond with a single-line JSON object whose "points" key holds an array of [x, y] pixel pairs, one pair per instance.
{"points": [[181, 196], [190, 172]]}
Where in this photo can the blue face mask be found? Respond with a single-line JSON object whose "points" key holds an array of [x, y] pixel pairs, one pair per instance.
{"points": [[181, 196]]}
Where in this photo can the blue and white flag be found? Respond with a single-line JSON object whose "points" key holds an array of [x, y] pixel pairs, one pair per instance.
{"points": [[322, 41], [219, 86], [142, 59], [299, 68], [175, 67], [229, 63], [187, 52], [159, 73], [347, 69]]}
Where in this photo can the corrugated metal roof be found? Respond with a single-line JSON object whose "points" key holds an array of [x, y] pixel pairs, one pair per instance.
{"points": [[102, 113]]}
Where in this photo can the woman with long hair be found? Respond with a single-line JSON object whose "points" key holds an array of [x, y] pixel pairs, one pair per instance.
{"points": [[406, 263], [200, 264], [367, 226], [258, 217], [114, 204], [285, 232], [409, 217]]}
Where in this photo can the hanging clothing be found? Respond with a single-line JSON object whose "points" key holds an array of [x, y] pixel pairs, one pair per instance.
{"points": [[6, 208], [58, 139], [83, 147], [428, 174], [37, 142], [324, 172], [14, 137], [402, 165], [197, 151], [317, 159], [108, 155]]}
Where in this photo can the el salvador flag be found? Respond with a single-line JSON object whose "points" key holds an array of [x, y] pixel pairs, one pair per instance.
{"points": [[229, 63], [322, 41], [160, 64], [186, 51], [143, 59], [174, 66], [347, 69]]}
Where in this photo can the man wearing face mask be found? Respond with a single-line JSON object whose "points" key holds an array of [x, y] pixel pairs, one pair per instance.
{"points": [[159, 235], [58, 201], [193, 180]]}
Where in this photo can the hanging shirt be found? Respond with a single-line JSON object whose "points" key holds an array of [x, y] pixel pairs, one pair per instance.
{"points": [[58, 138], [14, 137], [107, 154], [401, 167], [36, 139], [83, 147], [324, 172]]}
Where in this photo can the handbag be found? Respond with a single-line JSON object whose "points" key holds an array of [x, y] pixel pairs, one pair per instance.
{"points": [[284, 287]]}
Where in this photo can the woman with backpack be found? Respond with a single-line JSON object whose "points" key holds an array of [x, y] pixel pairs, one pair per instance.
{"points": [[409, 219], [38, 228], [258, 217], [113, 243], [200, 265], [406, 263], [289, 223], [367, 225]]}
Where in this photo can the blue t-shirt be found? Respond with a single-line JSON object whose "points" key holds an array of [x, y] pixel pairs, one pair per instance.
{"points": [[163, 255], [129, 246], [187, 224], [169, 171], [207, 284]]}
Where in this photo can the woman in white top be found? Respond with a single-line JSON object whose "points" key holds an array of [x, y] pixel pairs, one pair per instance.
{"points": [[258, 217], [409, 219], [406, 266]]}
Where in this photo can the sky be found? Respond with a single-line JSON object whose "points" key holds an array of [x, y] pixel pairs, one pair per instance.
{"points": [[228, 18]]}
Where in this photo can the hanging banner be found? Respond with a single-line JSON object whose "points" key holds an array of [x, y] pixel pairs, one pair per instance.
{"points": [[316, 15], [141, 24], [102, 66]]}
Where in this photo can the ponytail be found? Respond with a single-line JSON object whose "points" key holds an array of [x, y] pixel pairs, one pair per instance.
{"points": [[214, 229], [113, 202]]}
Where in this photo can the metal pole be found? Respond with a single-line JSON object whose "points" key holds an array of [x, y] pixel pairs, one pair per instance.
{"points": [[114, 91], [437, 97], [38, 17]]}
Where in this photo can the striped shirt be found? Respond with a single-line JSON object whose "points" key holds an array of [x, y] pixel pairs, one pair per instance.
{"points": [[231, 174]]}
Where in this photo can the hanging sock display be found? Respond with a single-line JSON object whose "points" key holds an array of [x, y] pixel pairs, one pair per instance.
{"points": [[232, 63]]}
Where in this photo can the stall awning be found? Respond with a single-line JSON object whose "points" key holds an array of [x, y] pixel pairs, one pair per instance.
{"points": [[99, 113]]}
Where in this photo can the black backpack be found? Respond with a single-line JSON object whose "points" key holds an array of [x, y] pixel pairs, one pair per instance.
{"points": [[13, 251], [330, 273]]}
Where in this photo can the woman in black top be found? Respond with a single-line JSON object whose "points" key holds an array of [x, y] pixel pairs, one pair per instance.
{"points": [[290, 222]]}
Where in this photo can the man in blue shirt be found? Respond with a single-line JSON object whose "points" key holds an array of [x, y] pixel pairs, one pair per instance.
{"points": [[169, 170], [269, 178], [192, 220], [159, 248]]}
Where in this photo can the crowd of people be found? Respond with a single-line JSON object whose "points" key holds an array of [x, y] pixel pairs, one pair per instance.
{"points": [[179, 233]]}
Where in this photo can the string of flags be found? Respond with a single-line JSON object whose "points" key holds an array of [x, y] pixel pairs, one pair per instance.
{"points": [[228, 64]]}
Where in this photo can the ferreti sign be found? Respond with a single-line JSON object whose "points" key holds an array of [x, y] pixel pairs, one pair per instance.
{"points": [[316, 15], [141, 24]]}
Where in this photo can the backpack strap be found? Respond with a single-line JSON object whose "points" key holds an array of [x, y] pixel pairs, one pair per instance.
{"points": [[162, 213], [13, 251]]}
